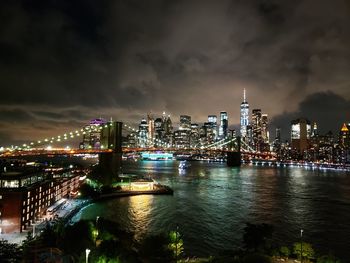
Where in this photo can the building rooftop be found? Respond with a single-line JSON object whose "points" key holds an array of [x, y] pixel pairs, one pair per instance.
{"points": [[344, 128]]}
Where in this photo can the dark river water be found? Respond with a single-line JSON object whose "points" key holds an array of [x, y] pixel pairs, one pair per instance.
{"points": [[212, 203]]}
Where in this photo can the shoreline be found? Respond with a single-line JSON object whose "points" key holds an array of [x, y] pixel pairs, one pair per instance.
{"points": [[133, 193]]}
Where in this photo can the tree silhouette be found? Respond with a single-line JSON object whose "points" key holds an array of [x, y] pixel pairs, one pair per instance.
{"points": [[257, 236]]}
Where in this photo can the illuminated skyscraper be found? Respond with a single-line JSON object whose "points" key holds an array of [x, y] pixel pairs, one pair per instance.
{"points": [[151, 130], [300, 134], [143, 133], [158, 130], [194, 137], [209, 132], [212, 120], [256, 129], [244, 115], [168, 129], [277, 141], [92, 134], [314, 130], [185, 122], [168, 126], [223, 124], [344, 137], [264, 128], [182, 136]]}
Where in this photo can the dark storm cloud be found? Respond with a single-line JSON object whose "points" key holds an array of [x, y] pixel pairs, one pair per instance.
{"points": [[327, 109], [14, 115], [75, 60]]}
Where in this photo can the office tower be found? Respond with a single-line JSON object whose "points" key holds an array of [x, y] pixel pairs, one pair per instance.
{"points": [[212, 119], [158, 128], [143, 133], [185, 122], [344, 137], [209, 132], [264, 128], [202, 135], [182, 136], [249, 136], [277, 142], [92, 134], [232, 133], [182, 139], [265, 136], [131, 140], [168, 126], [256, 129], [194, 136], [244, 117], [151, 130], [300, 134], [314, 130], [278, 135], [223, 124], [168, 130]]}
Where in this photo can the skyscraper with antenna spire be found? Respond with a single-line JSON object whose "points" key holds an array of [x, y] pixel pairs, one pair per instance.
{"points": [[244, 120]]}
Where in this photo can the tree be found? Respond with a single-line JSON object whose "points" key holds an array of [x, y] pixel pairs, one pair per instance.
{"points": [[86, 190], [303, 249], [9, 252], [176, 243], [257, 236], [284, 252], [328, 259], [104, 259], [155, 249], [77, 238], [49, 236]]}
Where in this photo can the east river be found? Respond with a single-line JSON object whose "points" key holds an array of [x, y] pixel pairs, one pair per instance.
{"points": [[212, 203]]}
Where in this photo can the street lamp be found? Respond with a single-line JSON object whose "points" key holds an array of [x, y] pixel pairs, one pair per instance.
{"points": [[87, 252], [33, 230], [301, 245], [97, 217]]}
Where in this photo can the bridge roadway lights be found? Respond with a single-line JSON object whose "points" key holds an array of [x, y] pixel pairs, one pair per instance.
{"points": [[234, 159]]}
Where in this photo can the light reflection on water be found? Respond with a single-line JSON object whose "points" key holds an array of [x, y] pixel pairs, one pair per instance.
{"points": [[212, 202], [139, 210]]}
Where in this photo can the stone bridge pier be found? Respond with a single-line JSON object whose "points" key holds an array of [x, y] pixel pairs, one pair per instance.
{"points": [[110, 163], [234, 157]]}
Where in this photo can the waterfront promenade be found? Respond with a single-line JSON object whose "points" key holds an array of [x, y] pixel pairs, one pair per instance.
{"points": [[65, 212], [73, 206]]}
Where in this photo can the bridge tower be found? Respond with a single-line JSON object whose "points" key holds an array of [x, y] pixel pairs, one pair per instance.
{"points": [[110, 163], [234, 157]]}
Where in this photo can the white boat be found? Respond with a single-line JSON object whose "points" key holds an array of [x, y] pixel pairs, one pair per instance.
{"points": [[184, 165]]}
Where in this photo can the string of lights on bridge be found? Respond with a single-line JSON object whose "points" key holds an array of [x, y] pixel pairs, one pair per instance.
{"points": [[98, 128], [77, 133], [59, 138]]}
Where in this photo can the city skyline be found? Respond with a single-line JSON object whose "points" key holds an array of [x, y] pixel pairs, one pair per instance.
{"points": [[64, 63]]}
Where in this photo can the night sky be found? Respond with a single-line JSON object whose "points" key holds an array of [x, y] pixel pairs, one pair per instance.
{"points": [[65, 62]]}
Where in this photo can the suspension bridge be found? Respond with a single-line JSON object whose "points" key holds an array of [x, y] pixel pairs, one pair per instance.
{"points": [[234, 147]]}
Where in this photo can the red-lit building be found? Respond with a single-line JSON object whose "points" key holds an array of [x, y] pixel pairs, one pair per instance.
{"points": [[24, 197]]}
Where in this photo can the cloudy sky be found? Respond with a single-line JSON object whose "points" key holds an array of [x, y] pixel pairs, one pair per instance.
{"points": [[63, 62]]}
